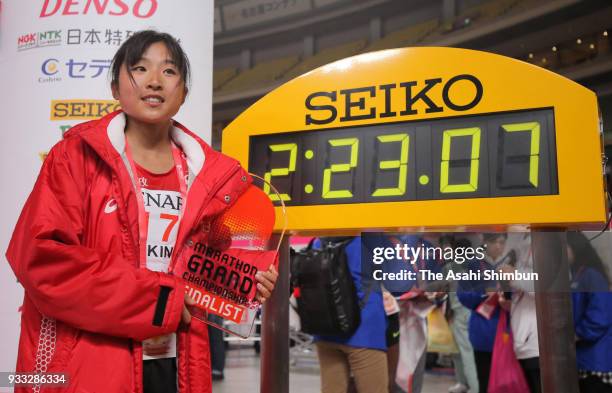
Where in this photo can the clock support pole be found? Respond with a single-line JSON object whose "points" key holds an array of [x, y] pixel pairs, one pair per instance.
{"points": [[274, 377], [554, 312]]}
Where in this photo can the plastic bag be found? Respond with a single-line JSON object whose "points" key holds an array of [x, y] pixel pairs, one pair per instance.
{"points": [[414, 308], [439, 336], [506, 373]]}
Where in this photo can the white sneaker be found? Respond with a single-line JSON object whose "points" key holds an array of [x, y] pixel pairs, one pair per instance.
{"points": [[458, 388]]}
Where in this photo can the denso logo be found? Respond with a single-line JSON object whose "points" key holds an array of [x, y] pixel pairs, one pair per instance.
{"points": [[139, 8]]}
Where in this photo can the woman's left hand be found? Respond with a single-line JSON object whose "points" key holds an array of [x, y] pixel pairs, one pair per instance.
{"points": [[265, 284]]}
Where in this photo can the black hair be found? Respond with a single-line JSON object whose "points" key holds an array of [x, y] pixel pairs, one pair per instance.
{"points": [[584, 253], [449, 239], [131, 51], [463, 242], [489, 237]]}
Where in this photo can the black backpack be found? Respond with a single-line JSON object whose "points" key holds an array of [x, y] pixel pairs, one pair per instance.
{"points": [[326, 297]]}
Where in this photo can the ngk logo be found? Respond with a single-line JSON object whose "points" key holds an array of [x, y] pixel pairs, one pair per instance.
{"points": [[27, 39], [139, 8], [40, 39]]}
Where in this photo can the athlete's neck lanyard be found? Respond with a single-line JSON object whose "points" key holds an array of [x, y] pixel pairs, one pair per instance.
{"points": [[143, 216]]}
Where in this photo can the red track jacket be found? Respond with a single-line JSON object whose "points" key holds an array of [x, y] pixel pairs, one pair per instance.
{"points": [[87, 304]]}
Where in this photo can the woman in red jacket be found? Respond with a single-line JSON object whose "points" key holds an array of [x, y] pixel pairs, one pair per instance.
{"points": [[94, 245]]}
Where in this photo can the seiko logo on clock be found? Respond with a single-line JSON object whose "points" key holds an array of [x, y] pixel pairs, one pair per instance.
{"points": [[434, 95]]}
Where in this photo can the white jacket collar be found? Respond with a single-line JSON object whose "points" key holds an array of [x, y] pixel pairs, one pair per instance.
{"points": [[191, 147]]}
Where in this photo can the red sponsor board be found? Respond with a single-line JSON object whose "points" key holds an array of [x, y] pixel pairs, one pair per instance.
{"points": [[216, 305]]}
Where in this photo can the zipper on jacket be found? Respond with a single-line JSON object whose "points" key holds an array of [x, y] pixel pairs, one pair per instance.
{"points": [[209, 197], [123, 216]]}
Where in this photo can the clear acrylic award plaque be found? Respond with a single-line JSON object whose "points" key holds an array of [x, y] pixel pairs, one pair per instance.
{"points": [[220, 265]]}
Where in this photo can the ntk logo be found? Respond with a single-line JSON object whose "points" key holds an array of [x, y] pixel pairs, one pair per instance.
{"points": [[40, 39]]}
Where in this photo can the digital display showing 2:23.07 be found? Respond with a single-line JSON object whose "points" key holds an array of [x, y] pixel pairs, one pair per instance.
{"points": [[481, 156]]}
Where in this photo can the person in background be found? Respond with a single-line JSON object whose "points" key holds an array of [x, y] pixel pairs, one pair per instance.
{"points": [[476, 295], [523, 318], [458, 318], [392, 334], [363, 354], [418, 298], [592, 309]]}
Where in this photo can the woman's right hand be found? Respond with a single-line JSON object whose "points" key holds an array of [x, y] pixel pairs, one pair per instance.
{"points": [[186, 316], [156, 346]]}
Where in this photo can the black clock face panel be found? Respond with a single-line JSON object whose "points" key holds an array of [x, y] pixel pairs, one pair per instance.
{"points": [[482, 156]]}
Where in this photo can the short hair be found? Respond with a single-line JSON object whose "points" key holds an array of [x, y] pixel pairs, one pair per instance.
{"points": [[585, 255], [489, 237], [449, 239], [463, 242], [131, 51]]}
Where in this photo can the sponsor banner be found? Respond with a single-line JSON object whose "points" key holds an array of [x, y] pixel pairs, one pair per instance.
{"points": [[98, 37], [253, 12], [39, 39], [325, 3], [56, 57], [143, 9], [56, 70], [82, 109]]}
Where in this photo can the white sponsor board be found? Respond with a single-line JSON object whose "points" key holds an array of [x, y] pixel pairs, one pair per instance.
{"points": [[55, 57]]}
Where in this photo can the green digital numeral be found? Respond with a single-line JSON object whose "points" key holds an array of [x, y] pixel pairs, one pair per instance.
{"points": [[292, 149], [401, 164], [534, 150], [447, 138], [340, 168]]}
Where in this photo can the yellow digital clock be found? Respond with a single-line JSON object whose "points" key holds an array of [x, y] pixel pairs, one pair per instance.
{"points": [[426, 138], [494, 155]]}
